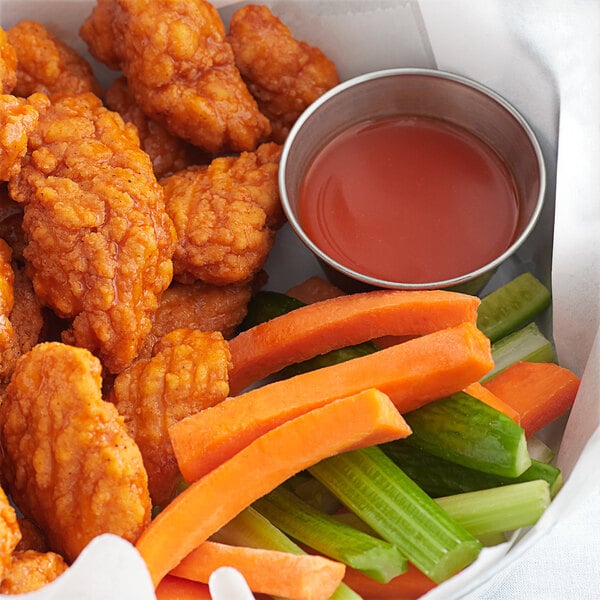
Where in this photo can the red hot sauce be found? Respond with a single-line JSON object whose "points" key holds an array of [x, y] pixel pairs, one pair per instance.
{"points": [[409, 199]]}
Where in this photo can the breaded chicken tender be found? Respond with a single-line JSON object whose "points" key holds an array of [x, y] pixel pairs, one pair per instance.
{"points": [[46, 64], [283, 74], [8, 343], [188, 372], [68, 460], [225, 215], [199, 306], [10, 534], [180, 69], [167, 152], [8, 64], [17, 120], [99, 240], [30, 570]]}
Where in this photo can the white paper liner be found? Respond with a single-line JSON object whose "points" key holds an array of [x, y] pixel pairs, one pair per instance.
{"points": [[543, 58]]}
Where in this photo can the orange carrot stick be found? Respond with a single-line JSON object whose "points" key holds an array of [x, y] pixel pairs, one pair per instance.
{"points": [[314, 289], [477, 390], [174, 588], [361, 420], [299, 576], [342, 321], [539, 392], [412, 374], [408, 586]]}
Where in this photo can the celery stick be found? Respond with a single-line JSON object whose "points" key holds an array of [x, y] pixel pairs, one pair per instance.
{"points": [[313, 492], [462, 429], [440, 477], [527, 344], [375, 557], [512, 306], [372, 486], [251, 529], [498, 509]]}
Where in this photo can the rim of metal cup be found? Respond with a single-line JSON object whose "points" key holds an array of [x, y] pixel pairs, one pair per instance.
{"points": [[384, 283]]}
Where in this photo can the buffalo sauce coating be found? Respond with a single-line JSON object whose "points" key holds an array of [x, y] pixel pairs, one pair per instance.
{"points": [[409, 199]]}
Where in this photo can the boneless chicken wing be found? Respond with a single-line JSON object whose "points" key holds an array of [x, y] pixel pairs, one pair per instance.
{"points": [[99, 241], [17, 121], [8, 341], [46, 64], [30, 570], [285, 75], [68, 461], [199, 306], [10, 534], [167, 152], [225, 215], [180, 69], [187, 373]]}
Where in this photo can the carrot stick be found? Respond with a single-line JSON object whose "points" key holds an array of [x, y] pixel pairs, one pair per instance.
{"points": [[360, 420], [486, 396], [298, 576], [412, 374], [539, 392], [342, 321], [174, 588], [408, 586], [314, 289]]}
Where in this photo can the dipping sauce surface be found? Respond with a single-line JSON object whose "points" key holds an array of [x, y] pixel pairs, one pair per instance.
{"points": [[409, 199]]}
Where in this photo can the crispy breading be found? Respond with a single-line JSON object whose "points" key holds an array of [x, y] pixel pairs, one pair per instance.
{"points": [[17, 120], [167, 152], [199, 306], [225, 215], [30, 570], [26, 317], [8, 64], [68, 461], [9, 351], [99, 240], [180, 69], [10, 534], [285, 75], [48, 65], [188, 372]]}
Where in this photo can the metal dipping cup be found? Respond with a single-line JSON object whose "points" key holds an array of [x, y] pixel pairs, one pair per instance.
{"points": [[426, 93]]}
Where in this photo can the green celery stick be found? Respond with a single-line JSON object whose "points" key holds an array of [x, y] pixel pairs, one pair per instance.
{"points": [[526, 344], [313, 492], [512, 306], [372, 486], [462, 429], [498, 509], [440, 477], [249, 528], [375, 557], [538, 450]]}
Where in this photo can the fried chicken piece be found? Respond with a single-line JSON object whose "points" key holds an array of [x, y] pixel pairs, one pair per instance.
{"points": [[99, 240], [180, 69], [10, 534], [8, 64], [226, 216], [46, 64], [30, 570], [17, 120], [188, 372], [283, 74], [68, 460], [199, 306], [8, 343], [167, 152], [32, 537]]}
